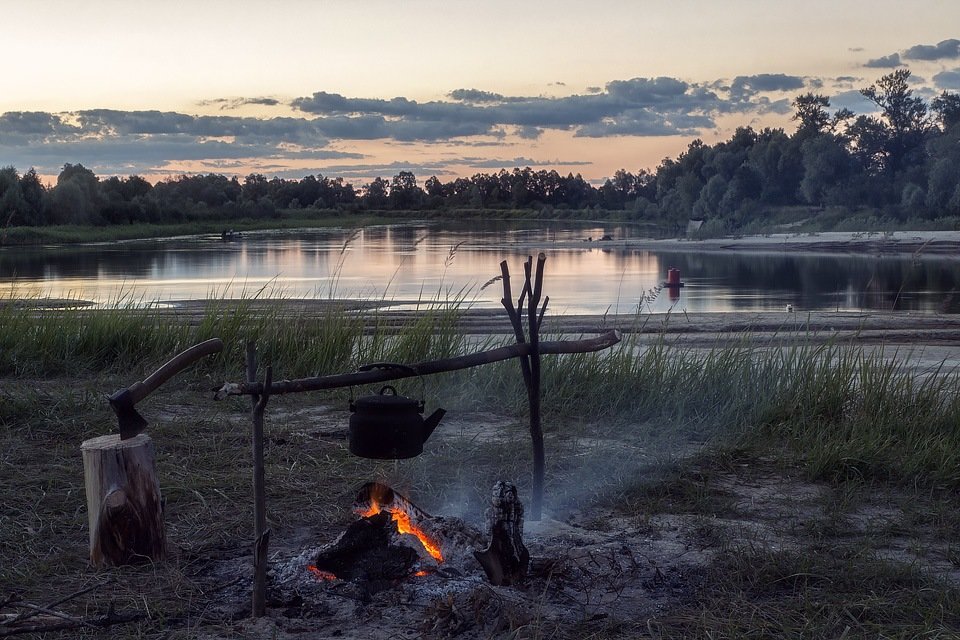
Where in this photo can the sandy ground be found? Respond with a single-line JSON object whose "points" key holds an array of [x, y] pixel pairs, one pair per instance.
{"points": [[926, 340]]}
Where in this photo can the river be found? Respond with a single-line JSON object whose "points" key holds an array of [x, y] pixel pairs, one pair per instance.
{"points": [[431, 262]]}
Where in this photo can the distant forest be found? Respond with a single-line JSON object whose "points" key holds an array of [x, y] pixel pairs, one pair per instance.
{"points": [[901, 164]]}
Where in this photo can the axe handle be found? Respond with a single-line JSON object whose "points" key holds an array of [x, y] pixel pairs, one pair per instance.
{"points": [[140, 390]]}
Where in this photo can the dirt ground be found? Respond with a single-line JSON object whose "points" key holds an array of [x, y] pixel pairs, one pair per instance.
{"points": [[641, 533], [618, 551]]}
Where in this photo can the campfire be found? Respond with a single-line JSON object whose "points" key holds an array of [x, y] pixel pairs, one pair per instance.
{"points": [[487, 583], [370, 576], [394, 540], [380, 498]]}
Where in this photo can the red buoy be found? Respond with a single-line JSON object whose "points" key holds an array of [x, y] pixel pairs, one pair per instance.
{"points": [[673, 277]]}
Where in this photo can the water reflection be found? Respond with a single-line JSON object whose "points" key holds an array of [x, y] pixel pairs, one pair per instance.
{"points": [[413, 262]]}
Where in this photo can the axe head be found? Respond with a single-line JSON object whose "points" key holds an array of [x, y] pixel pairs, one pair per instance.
{"points": [[131, 422]]}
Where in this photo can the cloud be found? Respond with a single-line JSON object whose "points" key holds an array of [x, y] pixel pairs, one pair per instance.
{"points": [[149, 140], [943, 50], [949, 80], [885, 62], [22, 127], [364, 172], [235, 103], [111, 141], [642, 122], [111, 122], [360, 173], [123, 156], [639, 106], [475, 95], [520, 161], [647, 91], [748, 86], [529, 133]]}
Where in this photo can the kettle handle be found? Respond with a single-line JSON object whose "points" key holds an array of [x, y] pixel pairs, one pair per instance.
{"points": [[396, 365]]}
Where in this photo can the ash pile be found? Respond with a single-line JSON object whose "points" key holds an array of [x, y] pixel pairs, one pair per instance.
{"points": [[398, 571]]}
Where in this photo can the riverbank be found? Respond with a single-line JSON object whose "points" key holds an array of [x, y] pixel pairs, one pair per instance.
{"points": [[916, 243], [924, 341], [229, 229], [691, 328]]}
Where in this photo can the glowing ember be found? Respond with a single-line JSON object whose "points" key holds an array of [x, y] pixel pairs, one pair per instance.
{"points": [[404, 525], [421, 573], [320, 573]]}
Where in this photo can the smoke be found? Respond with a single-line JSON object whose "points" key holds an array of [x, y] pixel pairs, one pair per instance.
{"points": [[588, 462]]}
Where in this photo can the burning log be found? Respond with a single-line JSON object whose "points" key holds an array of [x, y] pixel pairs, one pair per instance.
{"points": [[370, 550], [366, 552], [374, 498], [506, 560], [125, 510], [394, 539]]}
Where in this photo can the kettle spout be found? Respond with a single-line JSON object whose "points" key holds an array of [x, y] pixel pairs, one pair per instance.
{"points": [[430, 422]]}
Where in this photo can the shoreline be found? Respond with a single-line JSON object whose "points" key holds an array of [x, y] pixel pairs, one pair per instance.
{"points": [[942, 244], [701, 328]]}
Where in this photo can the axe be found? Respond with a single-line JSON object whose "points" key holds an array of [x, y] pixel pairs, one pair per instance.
{"points": [[125, 400]]}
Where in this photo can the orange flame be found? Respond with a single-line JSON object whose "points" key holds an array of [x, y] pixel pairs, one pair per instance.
{"points": [[320, 573], [405, 525], [421, 573]]}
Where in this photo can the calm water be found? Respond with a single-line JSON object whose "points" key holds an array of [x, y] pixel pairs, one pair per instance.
{"points": [[402, 263]]}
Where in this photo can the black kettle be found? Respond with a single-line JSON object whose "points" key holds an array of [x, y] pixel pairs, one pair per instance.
{"points": [[388, 426]]}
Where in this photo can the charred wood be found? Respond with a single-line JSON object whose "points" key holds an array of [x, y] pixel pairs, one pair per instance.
{"points": [[366, 552], [506, 560]]}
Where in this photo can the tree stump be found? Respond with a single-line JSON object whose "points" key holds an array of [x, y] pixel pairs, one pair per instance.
{"points": [[124, 507]]}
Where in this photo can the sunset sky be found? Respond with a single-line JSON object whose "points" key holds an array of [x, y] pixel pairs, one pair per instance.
{"points": [[363, 88]]}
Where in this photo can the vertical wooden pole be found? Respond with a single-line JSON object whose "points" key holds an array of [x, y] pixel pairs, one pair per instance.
{"points": [[530, 364], [260, 531], [513, 314], [533, 389]]}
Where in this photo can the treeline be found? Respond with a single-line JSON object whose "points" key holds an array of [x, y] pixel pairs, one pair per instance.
{"points": [[902, 163], [80, 197]]}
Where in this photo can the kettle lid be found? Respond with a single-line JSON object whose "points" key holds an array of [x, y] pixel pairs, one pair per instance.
{"points": [[384, 400]]}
